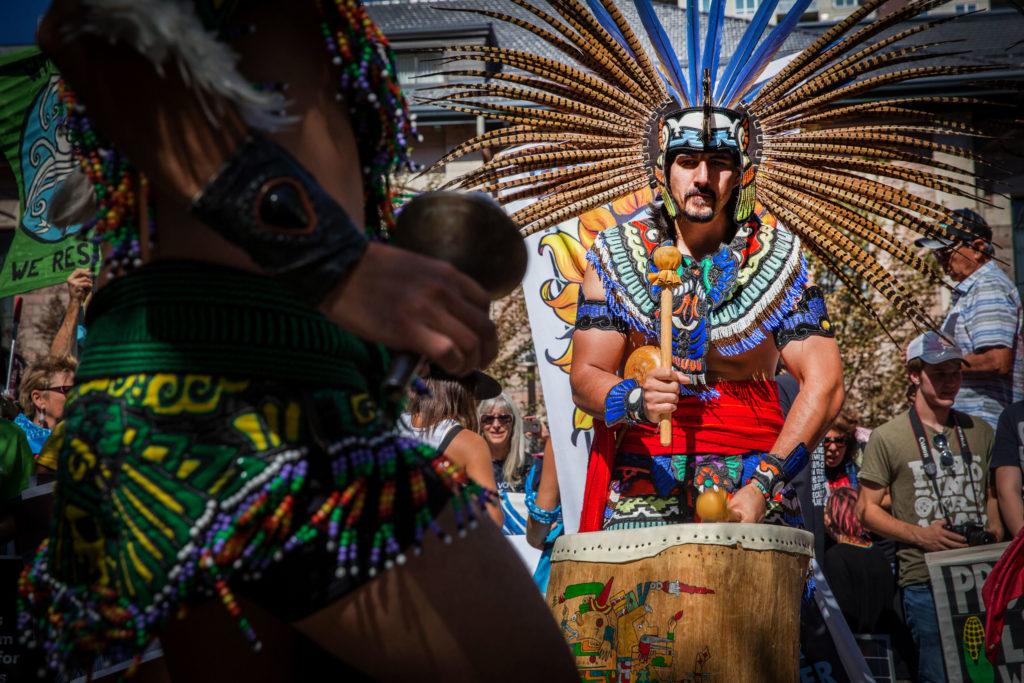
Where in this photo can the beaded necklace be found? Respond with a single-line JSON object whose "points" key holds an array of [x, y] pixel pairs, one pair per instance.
{"points": [[367, 83]]}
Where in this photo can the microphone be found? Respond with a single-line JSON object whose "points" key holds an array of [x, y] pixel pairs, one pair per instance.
{"points": [[469, 231]]}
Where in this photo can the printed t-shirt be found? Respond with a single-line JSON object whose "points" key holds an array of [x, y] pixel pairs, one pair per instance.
{"points": [[892, 459]]}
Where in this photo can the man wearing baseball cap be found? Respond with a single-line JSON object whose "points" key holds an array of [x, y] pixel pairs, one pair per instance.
{"points": [[933, 462], [984, 318]]}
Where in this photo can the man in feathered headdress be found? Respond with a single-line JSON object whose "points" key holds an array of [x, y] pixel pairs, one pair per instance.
{"points": [[744, 304], [228, 439], [750, 169]]}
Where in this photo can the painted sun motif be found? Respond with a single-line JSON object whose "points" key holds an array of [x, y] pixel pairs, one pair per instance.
{"points": [[569, 261]]}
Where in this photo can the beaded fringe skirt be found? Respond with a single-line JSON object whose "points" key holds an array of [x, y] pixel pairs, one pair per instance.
{"points": [[174, 487]]}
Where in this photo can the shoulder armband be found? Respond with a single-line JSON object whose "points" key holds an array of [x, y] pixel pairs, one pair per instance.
{"points": [[597, 316], [264, 201], [808, 318]]}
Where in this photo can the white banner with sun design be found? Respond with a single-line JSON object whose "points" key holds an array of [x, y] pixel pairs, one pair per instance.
{"points": [[552, 288]]}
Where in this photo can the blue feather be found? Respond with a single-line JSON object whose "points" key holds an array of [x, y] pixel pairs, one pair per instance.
{"points": [[713, 40], [671, 90], [765, 51], [693, 50], [662, 47], [605, 19], [745, 47]]}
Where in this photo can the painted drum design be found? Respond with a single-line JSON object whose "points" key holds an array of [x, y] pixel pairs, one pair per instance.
{"points": [[660, 604]]}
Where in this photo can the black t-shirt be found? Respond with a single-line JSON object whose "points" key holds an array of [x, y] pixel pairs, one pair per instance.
{"points": [[507, 487], [849, 569], [1008, 449]]}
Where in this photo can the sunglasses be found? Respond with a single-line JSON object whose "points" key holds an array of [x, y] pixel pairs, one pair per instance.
{"points": [[836, 440], [945, 454], [490, 419], [62, 389], [944, 254]]}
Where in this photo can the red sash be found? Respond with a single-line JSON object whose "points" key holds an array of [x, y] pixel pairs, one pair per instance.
{"points": [[746, 417]]}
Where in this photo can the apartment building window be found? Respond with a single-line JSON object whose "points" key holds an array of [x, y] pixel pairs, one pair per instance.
{"points": [[966, 7], [412, 64], [745, 6], [845, 3]]}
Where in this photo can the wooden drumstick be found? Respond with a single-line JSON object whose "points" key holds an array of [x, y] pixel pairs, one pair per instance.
{"points": [[666, 260]]}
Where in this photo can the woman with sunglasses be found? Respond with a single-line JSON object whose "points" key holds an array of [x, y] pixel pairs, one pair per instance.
{"points": [[42, 395], [502, 427], [840, 444]]}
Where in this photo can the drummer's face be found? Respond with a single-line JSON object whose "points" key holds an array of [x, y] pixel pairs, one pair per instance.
{"points": [[496, 425]]}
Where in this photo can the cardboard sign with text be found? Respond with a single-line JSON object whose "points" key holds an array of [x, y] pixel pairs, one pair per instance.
{"points": [[957, 578]]}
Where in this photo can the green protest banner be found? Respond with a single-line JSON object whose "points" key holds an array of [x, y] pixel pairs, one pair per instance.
{"points": [[39, 153]]}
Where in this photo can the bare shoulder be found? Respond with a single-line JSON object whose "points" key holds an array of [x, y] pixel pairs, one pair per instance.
{"points": [[468, 447]]}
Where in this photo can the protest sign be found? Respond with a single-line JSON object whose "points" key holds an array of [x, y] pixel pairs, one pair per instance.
{"points": [[957, 578], [38, 151]]}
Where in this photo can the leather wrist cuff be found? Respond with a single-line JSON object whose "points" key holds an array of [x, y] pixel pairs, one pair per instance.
{"points": [[624, 404], [264, 201], [772, 472]]}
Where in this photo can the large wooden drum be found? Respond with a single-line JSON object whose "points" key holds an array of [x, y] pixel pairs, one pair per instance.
{"points": [[686, 602]]}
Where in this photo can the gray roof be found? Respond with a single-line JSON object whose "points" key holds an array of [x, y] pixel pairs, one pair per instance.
{"points": [[994, 36], [990, 37], [398, 18]]}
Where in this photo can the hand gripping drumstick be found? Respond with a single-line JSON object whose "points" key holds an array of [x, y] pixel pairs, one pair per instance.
{"points": [[666, 260]]}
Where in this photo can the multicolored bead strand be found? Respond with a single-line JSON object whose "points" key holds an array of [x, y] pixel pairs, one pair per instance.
{"points": [[368, 82], [117, 187]]}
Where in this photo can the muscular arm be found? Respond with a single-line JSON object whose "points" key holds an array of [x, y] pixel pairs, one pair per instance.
{"points": [[597, 356], [181, 143], [997, 359], [469, 451], [547, 498], [1008, 497], [815, 364]]}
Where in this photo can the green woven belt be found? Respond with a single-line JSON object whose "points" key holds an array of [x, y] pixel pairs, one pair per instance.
{"points": [[186, 316]]}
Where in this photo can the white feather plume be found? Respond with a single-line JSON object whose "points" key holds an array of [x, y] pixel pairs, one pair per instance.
{"points": [[165, 30]]}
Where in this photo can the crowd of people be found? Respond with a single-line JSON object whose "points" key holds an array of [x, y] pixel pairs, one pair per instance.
{"points": [[230, 431], [941, 475], [890, 496]]}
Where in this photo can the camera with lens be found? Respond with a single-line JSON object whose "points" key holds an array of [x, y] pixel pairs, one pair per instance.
{"points": [[974, 533]]}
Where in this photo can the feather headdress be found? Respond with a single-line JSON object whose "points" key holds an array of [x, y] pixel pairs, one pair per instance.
{"points": [[585, 130]]}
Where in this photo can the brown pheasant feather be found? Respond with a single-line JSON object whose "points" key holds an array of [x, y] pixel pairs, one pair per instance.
{"points": [[842, 174]]}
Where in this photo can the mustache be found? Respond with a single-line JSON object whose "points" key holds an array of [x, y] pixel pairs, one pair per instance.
{"points": [[710, 194]]}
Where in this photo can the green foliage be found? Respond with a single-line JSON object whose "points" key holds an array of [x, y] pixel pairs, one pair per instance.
{"points": [[873, 364]]}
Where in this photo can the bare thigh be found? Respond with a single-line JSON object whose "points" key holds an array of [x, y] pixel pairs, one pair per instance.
{"points": [[465, 611], [207, 645]]}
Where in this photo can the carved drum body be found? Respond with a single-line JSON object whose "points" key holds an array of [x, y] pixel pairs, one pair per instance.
{"points": [[686, 602]]}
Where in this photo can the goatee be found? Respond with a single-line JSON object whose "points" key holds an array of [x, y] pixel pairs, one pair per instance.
{"points": [[702, 215]]}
